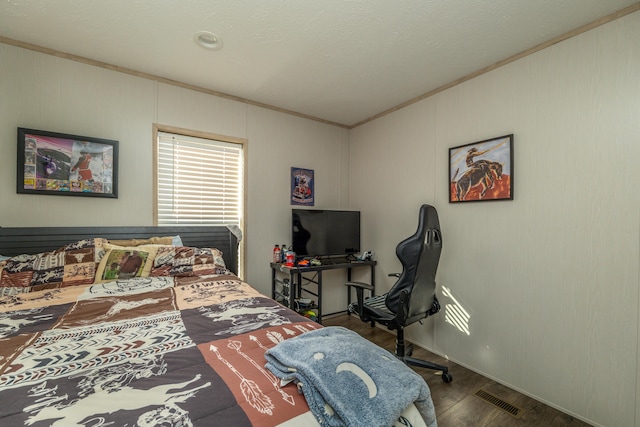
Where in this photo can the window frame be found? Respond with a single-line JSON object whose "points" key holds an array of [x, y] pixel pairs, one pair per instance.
{"points": [[213, 136]]}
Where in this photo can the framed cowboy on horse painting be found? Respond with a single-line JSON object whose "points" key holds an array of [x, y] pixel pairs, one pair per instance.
{"points": [[481, 171]]}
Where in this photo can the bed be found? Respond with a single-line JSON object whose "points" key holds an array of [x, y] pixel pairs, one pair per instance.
{"points": [[180, 341]]}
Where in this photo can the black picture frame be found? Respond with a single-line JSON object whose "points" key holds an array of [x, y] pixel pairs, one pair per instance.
{"points": [[481, 171], [302, 187], [66, 165]]}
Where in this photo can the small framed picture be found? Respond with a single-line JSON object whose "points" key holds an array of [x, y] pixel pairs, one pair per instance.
{"points": [[66, 165], [302, 187], [481, 171]]}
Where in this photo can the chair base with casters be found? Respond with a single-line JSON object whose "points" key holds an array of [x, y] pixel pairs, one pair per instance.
{"points": [[403, 351], [413, 296]]}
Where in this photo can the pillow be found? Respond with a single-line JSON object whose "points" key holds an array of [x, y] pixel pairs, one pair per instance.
{"points": [[188, 261], [168, 240], [9, 290], [73, 264], [2, 257], [125, 262]]}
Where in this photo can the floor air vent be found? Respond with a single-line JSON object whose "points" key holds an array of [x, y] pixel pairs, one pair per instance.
{"points": [[499, 403]]}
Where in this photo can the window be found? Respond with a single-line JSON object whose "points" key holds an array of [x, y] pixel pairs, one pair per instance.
{"points": [[199, 180]]}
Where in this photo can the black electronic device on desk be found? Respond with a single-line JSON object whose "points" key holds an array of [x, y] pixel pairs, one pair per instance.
{"points": [[364, 257], [334, 261], [323, 233]]}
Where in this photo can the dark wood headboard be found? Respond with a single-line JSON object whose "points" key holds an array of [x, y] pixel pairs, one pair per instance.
{"points": [[32, 240]]}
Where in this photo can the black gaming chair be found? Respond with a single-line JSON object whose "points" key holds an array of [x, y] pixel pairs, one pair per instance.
{"points": [[412, 298]]}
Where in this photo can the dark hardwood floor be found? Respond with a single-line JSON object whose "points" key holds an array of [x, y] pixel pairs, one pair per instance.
{"points": [[457, 403]]}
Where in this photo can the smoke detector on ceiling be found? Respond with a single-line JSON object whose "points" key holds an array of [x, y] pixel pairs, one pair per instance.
{"points": [[208, 40]]}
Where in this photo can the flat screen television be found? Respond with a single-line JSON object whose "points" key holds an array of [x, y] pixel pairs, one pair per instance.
{"points": [[325, 233]]}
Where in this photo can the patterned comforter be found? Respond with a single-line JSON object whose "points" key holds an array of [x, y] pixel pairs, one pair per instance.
{"points": [[172, 351]]}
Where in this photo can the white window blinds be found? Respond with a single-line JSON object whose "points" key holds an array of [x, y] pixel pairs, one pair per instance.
{"points": [[199, 181]]}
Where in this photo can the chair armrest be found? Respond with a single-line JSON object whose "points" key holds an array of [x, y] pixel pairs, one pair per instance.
{"points": [[360, 285]]}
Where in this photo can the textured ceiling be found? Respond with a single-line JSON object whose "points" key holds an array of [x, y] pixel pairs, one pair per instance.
{"points": [[342, 61]]}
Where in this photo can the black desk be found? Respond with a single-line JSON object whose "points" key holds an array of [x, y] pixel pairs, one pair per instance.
{"points": [[293, 286]]}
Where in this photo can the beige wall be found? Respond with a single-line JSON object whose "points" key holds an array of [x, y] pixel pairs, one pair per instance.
{"points": [[44, 92], [550, 279]]}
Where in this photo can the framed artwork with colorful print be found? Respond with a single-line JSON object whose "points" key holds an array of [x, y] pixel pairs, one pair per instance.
{"points": [[66, 165], [302, 183], [481, 171]]}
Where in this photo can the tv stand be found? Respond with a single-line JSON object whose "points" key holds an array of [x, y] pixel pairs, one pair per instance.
{"points": [[297, 281]]}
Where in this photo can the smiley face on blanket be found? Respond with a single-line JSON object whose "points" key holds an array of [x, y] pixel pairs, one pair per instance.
{"points": [[348, 380], [357, 371]]}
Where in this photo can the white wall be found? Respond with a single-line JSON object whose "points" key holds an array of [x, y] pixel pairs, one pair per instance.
{"points": [[278, 142], [550, 279], [45, 92]]}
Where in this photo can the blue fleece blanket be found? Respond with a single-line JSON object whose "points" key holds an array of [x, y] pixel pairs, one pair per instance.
{"points": [[349, 381]]}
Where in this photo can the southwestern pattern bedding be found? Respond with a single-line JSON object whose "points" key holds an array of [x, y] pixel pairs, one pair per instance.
{"points": [[169, 346]]}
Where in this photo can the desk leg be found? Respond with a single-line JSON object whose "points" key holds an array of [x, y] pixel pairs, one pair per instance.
{"points": [[298, 293], [348, 291], [373, 280], [320, 297], [294, 290], [273, 283], [373, 284]]}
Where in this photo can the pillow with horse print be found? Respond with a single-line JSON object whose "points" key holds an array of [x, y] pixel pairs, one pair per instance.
{"points": [[73, 264], [125, 262], [188, 261]]}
